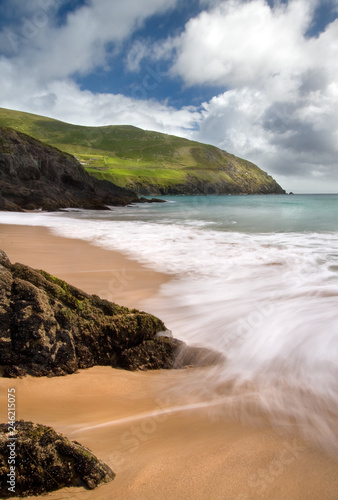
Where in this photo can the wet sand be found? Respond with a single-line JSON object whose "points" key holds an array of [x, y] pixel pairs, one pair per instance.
{"points": [[129, 419], [109, 274]]}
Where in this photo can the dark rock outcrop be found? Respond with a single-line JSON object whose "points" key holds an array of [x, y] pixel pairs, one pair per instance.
{"points": [[46, 461], [167, 352], [34, 175], [50, 328]]}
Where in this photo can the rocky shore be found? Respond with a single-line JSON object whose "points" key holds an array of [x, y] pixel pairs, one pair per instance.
{"points": [[50, 328], [46, 461]]}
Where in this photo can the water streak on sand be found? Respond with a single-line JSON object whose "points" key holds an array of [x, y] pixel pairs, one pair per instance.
{"points": [[157, 413]]}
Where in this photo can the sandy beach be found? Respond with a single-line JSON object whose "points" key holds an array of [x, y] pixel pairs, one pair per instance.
{"points": [[131, 421], [109, 274]]}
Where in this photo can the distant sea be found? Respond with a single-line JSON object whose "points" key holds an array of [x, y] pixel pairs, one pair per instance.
{"points": [[255, 277]]}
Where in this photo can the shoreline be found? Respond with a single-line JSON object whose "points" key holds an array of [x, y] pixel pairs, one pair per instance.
{"points": [[108, 273], [128, 419]]}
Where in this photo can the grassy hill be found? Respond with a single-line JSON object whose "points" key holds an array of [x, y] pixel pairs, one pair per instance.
{"points": [[146, 162]]}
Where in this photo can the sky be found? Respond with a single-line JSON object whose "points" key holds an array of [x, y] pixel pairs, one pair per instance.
{"points": [[258, 78]]}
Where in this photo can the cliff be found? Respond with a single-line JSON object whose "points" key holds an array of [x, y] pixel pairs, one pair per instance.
{"points": [[147, 162], [34, 175]]}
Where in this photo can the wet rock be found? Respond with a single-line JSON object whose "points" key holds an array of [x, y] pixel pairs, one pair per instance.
{"points": [[168, 353], [46, 461], [50, 328], [157, 353]]}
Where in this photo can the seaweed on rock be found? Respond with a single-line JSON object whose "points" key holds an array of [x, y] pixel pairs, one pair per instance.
{"points": [[50, 328], [46, 461]]}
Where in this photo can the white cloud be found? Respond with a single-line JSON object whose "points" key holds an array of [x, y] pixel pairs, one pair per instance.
{"points": [[38, 76], [137, 53], [64, 100], [142, 49], [80, 45], [244, 43], [281, 104], [294, 141]]}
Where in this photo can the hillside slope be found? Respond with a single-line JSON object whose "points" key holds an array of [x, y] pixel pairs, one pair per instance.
{"points": [[147, 162], [34, 175]]}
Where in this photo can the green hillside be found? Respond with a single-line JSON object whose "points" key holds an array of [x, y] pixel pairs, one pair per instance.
{"points": [[146, 162]]}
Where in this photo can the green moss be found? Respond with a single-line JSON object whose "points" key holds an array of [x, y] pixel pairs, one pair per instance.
{"points": [[67, 313], [88, 455], [64, 292], [57, 281], [37, 431]]}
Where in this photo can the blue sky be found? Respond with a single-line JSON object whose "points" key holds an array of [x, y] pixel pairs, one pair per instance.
{"points": [[257, 78]]}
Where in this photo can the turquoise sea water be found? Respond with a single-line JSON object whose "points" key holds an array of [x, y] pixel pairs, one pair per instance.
{"points": [[252, 214], [255, 277]]}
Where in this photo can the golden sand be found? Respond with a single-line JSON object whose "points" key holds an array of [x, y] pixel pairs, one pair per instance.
{"points": [[107, 273]]}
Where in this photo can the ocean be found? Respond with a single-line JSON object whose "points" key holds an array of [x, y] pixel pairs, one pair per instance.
{"points": [[254, 277]]}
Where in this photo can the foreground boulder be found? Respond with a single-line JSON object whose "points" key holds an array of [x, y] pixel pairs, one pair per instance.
{"points": [[34, 175], [46, 461], [50, 328]]}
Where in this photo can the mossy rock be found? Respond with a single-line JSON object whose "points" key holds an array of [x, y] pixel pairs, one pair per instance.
{"points": [[46, 461], [50, 328]]}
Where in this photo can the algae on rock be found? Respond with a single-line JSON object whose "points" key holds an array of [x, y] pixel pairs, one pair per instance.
{"points": [[50, 328], [46, 461]]}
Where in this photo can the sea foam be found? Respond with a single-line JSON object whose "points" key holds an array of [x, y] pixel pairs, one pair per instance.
{"points": [[267, 301]]}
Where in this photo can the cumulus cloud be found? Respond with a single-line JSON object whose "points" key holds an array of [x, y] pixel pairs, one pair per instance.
{"points": [[280, 107], [65, 100], [296, 141], [83, 42], [37, 76], [244, 43]]}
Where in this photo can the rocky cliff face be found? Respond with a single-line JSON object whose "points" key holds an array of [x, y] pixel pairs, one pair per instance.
{"points": [[34, 175], [46, 461], [50, 328], [216, 172], [193, 186]]}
